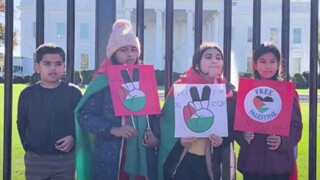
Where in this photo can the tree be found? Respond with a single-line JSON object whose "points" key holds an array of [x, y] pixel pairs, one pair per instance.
{"points": [[2, 34], [2, 27]]}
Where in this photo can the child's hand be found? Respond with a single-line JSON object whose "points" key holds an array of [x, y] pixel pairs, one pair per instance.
{"points": [[274, 142], [124, 131], [248, 136], [187, 142], [149, 140], [215, 140], [65, 144]]}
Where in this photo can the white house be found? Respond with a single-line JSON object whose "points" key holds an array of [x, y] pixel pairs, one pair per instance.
{"points": [[55, 30], [21, 66]]}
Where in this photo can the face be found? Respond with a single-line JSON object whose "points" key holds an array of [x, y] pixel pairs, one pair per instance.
{"points": [[266, 65], [51, 69], [127, 55], [211, 63]]}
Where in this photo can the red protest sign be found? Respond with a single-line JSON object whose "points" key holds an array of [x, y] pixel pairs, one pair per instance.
{"points": [[264, 106], [133, 89]]}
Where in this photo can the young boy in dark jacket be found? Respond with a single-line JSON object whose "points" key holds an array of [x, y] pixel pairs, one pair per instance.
{"points": [[45, 118]]}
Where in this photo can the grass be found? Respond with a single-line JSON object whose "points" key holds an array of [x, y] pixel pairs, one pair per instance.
{"points": [[306, 91], [17, 168]]}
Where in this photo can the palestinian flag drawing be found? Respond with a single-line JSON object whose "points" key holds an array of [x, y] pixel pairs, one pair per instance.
{"points": [[133, 90], [197, 116], [129, 93], [262, 104], [200, 110]]}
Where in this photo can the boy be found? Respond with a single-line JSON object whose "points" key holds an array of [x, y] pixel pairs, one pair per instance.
{"points": [[45, 118]]}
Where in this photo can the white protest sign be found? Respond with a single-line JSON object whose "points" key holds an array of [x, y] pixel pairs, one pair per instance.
{"points": [[200, 110]]}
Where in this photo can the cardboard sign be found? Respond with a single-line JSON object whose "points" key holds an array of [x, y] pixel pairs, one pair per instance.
{"points": [[200, 110], [264, 106], [133, 90]]}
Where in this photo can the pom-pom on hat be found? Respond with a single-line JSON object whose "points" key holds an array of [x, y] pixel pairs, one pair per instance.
{"points": [[121, 36]]}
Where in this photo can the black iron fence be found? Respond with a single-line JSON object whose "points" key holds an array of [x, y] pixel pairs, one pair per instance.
{"points": [[105, 16]]}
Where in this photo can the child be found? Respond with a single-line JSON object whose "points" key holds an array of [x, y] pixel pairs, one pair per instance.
{"points": [[191, 158], [262, 156], [45, 118], [113, 157]]}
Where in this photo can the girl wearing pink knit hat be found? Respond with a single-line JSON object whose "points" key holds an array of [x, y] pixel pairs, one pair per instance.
{"points": [[119, 150]]}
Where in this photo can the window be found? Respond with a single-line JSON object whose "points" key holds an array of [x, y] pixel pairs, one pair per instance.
{"points": [[84, 31], [296, 36], [84, 61], [250, 34], [295, 65], [273, 35], [61, 30]]}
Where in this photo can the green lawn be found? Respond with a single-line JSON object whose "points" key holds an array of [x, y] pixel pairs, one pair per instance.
{"points": [[306, 91], [17, 151]]}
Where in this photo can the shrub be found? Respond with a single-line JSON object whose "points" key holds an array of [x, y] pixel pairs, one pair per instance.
{"points": [[34, 78], [78, 78], [18, 80], [306, 75], [159, 77], [1, 79], [86, 76], [245, 74], [300, 81], [27, 79]]}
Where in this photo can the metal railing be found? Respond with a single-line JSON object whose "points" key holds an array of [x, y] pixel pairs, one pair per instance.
{"points": [[105, 16]]}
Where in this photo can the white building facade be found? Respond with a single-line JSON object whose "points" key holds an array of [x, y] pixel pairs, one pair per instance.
{"points": [[183, 47]]}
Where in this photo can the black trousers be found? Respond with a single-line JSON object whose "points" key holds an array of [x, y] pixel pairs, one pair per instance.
{"points": [[192, 167]]}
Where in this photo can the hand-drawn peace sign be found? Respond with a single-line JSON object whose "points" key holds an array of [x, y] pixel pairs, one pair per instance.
{"points": [[197, 116], [129, 93]]}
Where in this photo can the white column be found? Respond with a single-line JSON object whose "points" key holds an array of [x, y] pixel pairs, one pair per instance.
{"points": [[221, 20], [127, 14], [190, 38], [159, 40], [210, 33], [216, 28]]}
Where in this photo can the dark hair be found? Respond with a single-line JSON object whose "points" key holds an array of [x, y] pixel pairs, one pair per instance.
{"points": [[260, 51], [196, 59], [49, 48]]}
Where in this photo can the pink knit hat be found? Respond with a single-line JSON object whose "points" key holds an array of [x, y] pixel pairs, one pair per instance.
{"points": [[121, 36]]}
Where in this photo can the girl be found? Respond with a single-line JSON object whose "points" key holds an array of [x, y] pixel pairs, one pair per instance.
{"points": [[191, 158], [114, 136], [264, 157]]}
